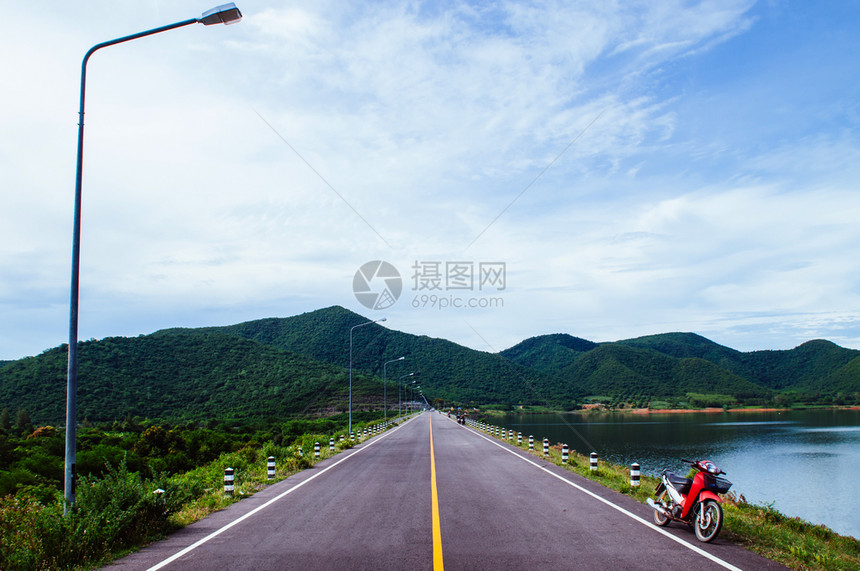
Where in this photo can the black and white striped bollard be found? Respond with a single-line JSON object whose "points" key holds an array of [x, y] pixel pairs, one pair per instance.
{"points": [[270, 468], [228, 481], [531, 442], [546, 447], [634, 475], [593, 462], [519, 438], [331, 444], [316, 449], [565, 453]]}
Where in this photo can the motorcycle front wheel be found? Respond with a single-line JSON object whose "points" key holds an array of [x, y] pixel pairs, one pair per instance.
{"points": [[708, 520]]}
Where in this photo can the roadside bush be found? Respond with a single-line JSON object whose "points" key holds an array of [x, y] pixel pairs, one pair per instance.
{"points": [[114, 512], [111, 513]]}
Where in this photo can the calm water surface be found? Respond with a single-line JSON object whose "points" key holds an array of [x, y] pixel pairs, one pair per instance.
{"points": [[806, 463]]}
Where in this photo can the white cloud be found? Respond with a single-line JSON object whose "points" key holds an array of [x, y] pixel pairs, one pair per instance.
{"points": [[428, 120]]}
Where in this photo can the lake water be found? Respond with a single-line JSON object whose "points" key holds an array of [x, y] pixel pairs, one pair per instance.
{"points": [[805, 463]]}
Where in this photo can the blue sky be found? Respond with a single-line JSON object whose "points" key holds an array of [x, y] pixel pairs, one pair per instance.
{"points": [[638, 167]]}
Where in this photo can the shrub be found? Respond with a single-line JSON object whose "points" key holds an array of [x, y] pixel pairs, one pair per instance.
{"points": [[114, 512]]}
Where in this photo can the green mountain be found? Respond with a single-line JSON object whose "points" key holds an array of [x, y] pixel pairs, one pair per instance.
{"points": [[618, 368], [447, 370], [180, 375], [299, 365], [549, 353], [677, 363], [269, 367]]}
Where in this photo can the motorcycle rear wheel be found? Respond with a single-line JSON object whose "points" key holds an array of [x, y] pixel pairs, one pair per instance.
{"points": [[708, 521], [659, 518]]}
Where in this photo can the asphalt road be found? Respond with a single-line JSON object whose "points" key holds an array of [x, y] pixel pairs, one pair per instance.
{"points": [[466, 501]]}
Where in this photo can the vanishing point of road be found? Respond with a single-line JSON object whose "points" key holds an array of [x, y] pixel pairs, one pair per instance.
{"points": [[432, 494]]}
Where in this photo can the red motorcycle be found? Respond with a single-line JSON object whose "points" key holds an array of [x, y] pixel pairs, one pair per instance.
{"points": [[692, 501]]}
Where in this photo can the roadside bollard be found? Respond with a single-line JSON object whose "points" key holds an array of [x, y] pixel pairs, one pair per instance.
{"points": [[510, 434], [316, 449], [301, 452], [634, 475], [546, 447], [228, 481], [565, 453], [519, 438], [352, 435], [270, 468], [341, 437], [593, 462], [331, 444], [531, 442]]}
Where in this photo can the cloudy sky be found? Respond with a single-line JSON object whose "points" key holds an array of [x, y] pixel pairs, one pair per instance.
{"points": [[633, 167]]}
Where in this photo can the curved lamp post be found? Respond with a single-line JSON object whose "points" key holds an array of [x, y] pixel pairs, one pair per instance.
{"points": [[400, 401], [225, 14], [350, 364], [384, 394]]}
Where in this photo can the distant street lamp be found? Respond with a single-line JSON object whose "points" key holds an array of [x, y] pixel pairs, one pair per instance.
{"points": [[384, 395], [400, 400], [350, 365], [225, 14]]}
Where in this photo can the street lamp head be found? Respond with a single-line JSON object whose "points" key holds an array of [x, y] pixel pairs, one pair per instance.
{"points": [[224, 14], [401, 358], [382, 319]]}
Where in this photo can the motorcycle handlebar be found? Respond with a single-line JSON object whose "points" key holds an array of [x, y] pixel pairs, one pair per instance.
{"points": [[695, 464]]}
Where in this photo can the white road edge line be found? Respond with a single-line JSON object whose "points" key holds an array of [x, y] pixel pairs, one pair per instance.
{"points": [[236, 521], [644, 522]]}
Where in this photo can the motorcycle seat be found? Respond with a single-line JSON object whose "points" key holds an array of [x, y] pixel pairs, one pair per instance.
{"points": [[680, 483]]}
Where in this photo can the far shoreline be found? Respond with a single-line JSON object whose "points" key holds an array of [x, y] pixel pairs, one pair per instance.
{"points": [[708, 410], [595, 409], [715, 410]]}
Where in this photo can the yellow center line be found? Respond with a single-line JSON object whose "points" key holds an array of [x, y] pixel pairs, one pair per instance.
{"points": [[437, 528]]}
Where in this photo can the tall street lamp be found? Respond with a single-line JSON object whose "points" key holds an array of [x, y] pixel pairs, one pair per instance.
{"points": [[350, 364], [384, 394], [225, 14]]}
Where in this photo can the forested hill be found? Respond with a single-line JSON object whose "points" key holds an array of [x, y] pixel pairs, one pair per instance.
{"points": [[673, 363], [558, 368], [184, 375], [270, 367], [447, 370], [299, 365]]}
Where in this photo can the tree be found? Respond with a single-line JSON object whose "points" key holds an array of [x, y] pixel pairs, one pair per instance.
{"points": [[5, 420], [23, 424]]}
